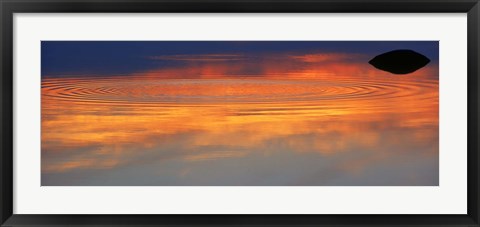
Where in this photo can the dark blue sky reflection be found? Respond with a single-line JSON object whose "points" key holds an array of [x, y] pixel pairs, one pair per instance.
{"points": [[123, 57]]}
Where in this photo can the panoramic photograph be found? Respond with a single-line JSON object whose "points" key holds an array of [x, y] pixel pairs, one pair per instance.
{"points": [[239, 113]]}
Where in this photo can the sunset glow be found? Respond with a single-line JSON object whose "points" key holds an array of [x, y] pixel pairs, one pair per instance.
{"points": [[293, 117]]}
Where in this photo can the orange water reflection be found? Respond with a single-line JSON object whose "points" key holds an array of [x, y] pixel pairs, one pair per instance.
{"points": [[301, 120]]}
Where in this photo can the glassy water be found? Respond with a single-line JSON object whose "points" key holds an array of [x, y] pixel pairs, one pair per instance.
{"points": [[338, 124]]}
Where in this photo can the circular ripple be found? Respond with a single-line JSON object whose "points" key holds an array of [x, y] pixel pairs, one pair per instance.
{"points": [[149, 91]]}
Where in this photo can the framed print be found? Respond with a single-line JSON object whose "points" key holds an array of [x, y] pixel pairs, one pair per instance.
{"points": [[256, 113]]}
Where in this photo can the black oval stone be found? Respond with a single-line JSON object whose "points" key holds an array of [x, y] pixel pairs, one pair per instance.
{"points": [[399, 61]]}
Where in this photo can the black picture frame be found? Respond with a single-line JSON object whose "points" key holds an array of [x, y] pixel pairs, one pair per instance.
{"points": [[9, 7]]}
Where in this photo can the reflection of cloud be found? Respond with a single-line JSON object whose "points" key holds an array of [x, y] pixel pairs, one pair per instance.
{"points": [[273, 66], [214, 155], [326, 57], [291, 66], [199, 57], [80, 164], [345, 115], [137, 135]]}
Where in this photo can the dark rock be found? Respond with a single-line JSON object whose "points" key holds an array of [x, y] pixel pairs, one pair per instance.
{"points": [[399, 61]]}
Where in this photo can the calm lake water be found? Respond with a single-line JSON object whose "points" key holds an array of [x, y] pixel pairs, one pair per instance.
{"points": [[339, 124]]}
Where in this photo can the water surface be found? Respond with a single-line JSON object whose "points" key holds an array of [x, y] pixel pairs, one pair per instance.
{"points": [[249, 119]]}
